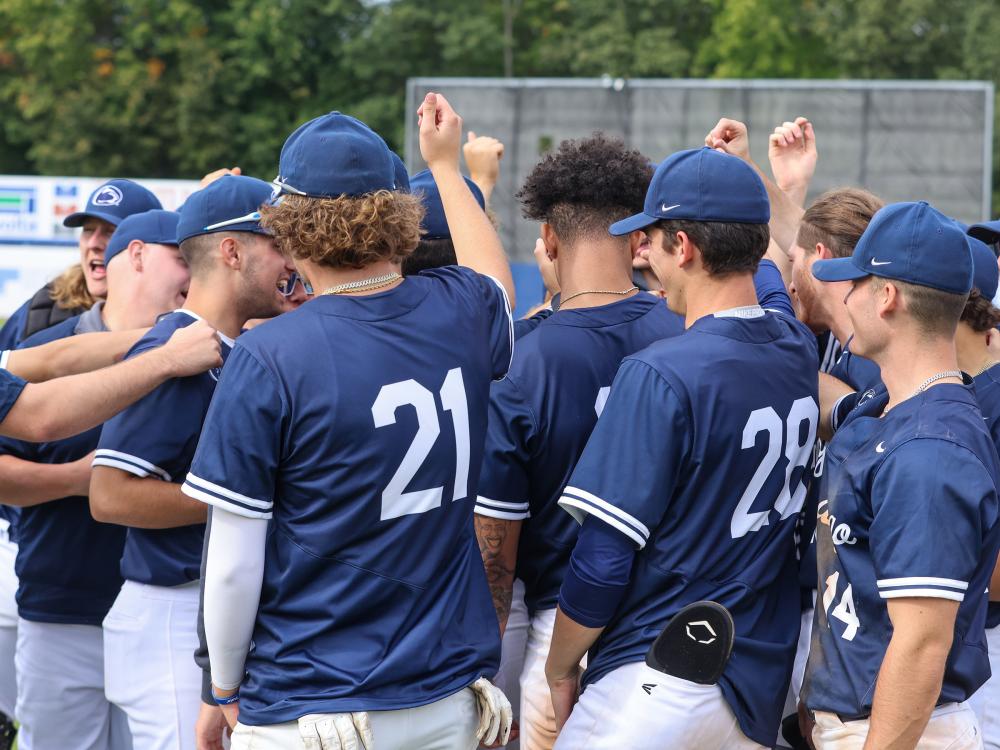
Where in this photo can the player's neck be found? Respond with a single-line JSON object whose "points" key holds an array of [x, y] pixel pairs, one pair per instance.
{"points": [[208, 302], [973, 352], [908, 361], [123, 312], [325, 277], [587, 269], [706, 295]]}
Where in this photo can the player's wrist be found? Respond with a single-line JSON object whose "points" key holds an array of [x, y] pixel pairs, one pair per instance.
{"points": [[224, 696]]}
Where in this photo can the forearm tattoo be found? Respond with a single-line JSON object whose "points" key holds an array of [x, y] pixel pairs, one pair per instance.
{"points": [[492, 536]]}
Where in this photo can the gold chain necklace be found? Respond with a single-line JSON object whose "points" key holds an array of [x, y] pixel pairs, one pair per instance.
{"points": [[564, 300], [364, 285]]}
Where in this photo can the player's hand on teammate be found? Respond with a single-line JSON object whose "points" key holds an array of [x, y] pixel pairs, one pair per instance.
{"points": [[213, 176], [346, 731], [565, 691], [193, 350], [495, 714], [482, 157], [791, 149], [440, 132], [210, 728], [730, 137]]}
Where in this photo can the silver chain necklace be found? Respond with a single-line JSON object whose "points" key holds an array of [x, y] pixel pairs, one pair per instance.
{"points": [[934, 378], [364, 285], [564, 300]]}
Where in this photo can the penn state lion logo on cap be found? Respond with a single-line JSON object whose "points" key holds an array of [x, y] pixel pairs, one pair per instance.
{"points": [[108, 195]]}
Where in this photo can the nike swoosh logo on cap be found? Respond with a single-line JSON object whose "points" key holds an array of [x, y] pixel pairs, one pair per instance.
{"points": [[664, 208], [880, 262]]}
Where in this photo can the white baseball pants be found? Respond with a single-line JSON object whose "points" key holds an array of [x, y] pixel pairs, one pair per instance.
{"points": [[617, 712], [60, 690], [986, 701], [447, 724], [8, 624], [150, 636], [951, 727]]}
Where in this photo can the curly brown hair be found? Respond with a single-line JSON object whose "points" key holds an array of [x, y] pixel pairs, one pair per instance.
{"points": [[346, 232], [69, 290], [979, 313]]}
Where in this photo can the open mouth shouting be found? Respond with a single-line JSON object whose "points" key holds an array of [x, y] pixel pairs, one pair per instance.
{"points": [[96, 269]]}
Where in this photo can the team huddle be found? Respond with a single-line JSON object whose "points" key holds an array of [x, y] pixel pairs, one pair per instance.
{"points": [[732, 484]]}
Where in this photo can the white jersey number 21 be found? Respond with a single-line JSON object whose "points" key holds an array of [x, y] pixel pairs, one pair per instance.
{"points": [[395, 501]]}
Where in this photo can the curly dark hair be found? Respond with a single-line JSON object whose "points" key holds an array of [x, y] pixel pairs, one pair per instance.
{"points": [[346, 232], [979, 313], [585, 186]]}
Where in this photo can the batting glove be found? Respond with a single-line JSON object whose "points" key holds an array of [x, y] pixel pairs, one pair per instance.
{"points": [[495, 714], [336, 732]]}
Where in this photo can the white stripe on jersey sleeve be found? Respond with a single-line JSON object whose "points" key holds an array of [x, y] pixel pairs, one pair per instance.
{"points": [[503, 510], [931, 593], [127, 462], [4, 356], [510, 318], [580, 503], [834, 422], [922, 580], [234, 502]]}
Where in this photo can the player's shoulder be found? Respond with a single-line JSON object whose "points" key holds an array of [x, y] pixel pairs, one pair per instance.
{"points": [[943, 421], [162, 330], [53, 333]]}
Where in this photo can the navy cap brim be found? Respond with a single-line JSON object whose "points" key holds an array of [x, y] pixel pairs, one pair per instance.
{"points": [[986, 231], [837, 269], [77, 219], [631, 224]]}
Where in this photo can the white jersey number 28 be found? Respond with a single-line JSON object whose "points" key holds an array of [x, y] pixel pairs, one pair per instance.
{"points": [[787, 432], [395, 501]]}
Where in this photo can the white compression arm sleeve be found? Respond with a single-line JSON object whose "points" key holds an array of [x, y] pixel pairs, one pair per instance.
{"points": [[234, 572]]}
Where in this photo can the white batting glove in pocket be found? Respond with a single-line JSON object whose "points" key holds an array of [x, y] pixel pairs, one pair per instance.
{"points": [[349, 731], [495, 714]]}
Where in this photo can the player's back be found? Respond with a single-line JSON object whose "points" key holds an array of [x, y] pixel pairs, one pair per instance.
{"points": [[716, 520], [541, 416], [376, 597]]}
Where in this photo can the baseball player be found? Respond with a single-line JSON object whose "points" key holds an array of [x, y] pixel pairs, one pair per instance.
{"points": [[690, 483], [66, 562], [342, 541], [145, 451], [77, 289], [907, 534], [543, 411]]}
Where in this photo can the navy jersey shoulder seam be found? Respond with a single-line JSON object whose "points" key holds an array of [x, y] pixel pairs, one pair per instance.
{"points": [[935, 438]]}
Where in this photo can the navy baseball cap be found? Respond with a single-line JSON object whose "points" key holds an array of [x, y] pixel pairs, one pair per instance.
{"points": [[987, 231], [911, 242], [230, 204], [701, 184], [334, 155], [435, 226], [113, 201], [402, 176], [985, 273], [156, 227]]}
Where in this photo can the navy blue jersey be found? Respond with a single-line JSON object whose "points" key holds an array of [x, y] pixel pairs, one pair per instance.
{"points": [[910, 510], [987, 385], [861, 374], [541, 415], [699, 458], [10, 390], [67, 563], [360, 424], [157, 437], [13, 327], [524, 326]]}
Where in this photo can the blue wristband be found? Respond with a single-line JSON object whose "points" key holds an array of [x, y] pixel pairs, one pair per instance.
{"points": [[225, 700]]}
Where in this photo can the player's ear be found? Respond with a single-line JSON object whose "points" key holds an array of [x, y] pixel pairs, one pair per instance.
{"points": [[231, 252], [638, 241], [823, 252], [683, 248], [888, 298], [551, 240], [134, 250]]}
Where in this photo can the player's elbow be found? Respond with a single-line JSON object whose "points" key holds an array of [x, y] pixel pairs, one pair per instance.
{"points": [[105, 496]]}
